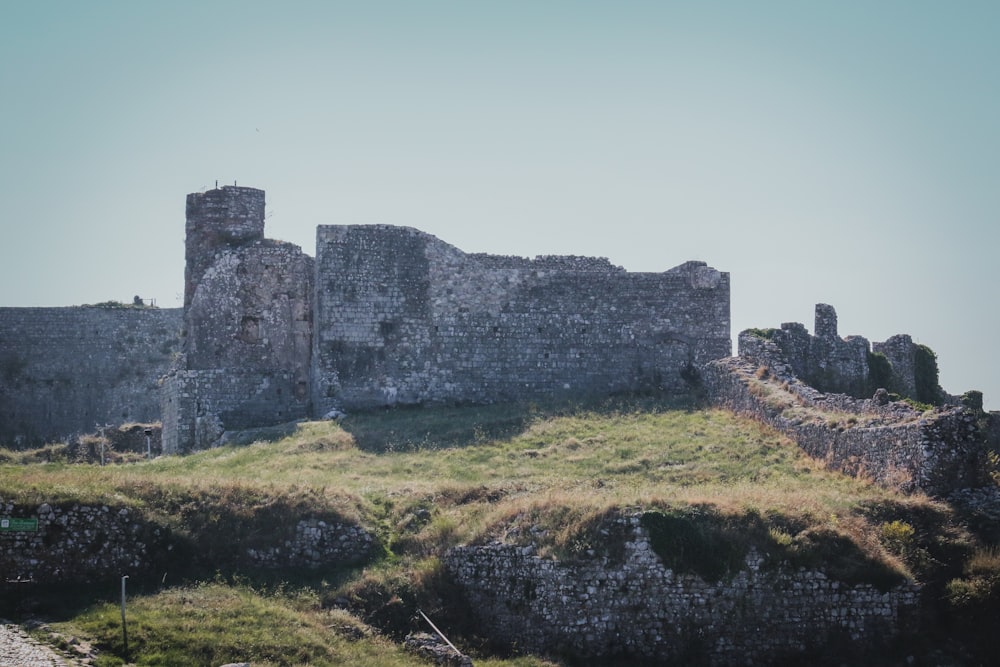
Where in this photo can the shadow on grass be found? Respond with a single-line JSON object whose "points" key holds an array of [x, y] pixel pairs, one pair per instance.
{"points": [[413, 428]]}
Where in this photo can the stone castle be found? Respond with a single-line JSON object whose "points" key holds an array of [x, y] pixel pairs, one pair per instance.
{"points": [[381, 316], [386, 316]]}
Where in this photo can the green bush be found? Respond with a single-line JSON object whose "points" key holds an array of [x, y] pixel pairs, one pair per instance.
{"points": [[925, 375], [766, 334], [880, 374], [973, 399]]}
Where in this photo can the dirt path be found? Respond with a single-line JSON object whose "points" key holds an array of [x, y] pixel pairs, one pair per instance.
{"points": [[17, 649]]}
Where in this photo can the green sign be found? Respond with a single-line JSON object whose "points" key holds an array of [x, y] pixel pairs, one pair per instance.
{"points": [[22, 525]]}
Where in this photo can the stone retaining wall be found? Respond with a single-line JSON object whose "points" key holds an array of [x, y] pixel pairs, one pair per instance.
{"points": [[641, 611], [81, 543]]}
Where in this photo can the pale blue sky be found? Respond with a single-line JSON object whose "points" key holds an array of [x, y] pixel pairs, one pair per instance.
{"points": [[837, 152]]}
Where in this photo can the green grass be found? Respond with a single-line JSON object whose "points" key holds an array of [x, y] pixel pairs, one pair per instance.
{"points": [[424, 480], [213, 624]]}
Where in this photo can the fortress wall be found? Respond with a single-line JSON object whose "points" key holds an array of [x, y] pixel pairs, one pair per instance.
{"points": [[68, 370], [597, 610], [901, 353], [198, 406], [891, 444], [402, 317], [252, 310]]}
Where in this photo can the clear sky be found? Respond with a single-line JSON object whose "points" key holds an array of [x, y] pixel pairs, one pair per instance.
{"points": [[837, 152]]}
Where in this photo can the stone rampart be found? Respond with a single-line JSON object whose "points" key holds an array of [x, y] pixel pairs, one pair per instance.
{"points": [[403, 318], [888, 442], [65, 371], [639, 610]]}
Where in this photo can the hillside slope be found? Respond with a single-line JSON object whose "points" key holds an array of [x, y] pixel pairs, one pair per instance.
{"points": [[420, 483]]}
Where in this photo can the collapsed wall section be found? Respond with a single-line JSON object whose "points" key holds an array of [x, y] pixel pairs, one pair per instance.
{"points": [[889, 442], [69, 370], [404, 318]]}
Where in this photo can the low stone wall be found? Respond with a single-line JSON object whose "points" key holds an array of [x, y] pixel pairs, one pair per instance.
{"points": [[888, 442], [637, 609], [81, 543], [316, 543]]}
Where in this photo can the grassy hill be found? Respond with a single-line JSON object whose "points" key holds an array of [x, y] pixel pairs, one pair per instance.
{"points": [[424, 480]]}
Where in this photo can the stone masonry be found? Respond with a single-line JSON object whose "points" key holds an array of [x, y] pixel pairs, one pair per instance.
{"points": [[65, 371], [638, 611], [82, 543], [403, 318], [392, 316], [890, 442]]}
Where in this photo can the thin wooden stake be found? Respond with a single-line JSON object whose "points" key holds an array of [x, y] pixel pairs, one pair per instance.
{"points": [[439, 633]]}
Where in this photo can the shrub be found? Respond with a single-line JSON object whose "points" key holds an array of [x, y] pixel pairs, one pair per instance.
{"points": [[925, 375], [879, 372], [686, 542], [973, 399], [898, 537], [766, 334]]}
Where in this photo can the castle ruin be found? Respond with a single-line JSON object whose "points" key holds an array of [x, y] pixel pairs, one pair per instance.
{"points": [[389, 315]]}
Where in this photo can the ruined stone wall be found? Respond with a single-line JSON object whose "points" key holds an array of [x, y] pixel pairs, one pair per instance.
{"points": [[199, 406], [402, 317], [80, 543], [639, 610], [65, 371], [886, 441], [842, 365], [825, 361]]}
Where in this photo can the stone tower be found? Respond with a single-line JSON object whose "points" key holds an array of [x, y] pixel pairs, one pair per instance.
{"points": [[226, 217], [247, 324]]}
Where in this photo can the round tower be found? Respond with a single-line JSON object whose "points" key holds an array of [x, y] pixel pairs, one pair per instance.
{"points": [[229, 216]]}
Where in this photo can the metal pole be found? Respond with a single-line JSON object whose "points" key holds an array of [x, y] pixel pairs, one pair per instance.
{"points": [[124, 628]]}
